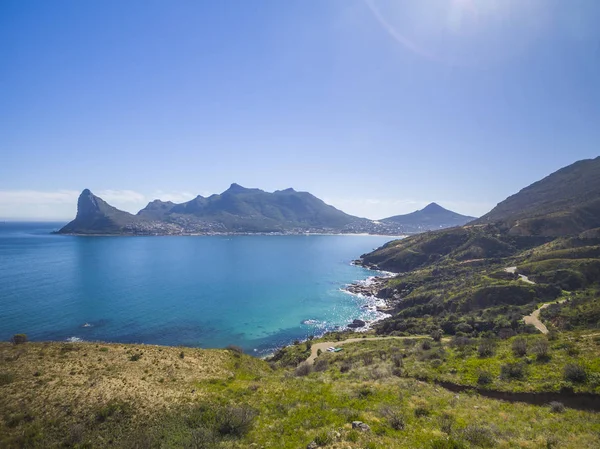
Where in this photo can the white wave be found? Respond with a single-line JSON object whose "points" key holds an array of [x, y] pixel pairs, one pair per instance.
{"points": [[75, 339]]}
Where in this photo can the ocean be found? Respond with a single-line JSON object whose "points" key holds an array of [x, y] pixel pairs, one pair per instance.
{"points": [[257, 292]]}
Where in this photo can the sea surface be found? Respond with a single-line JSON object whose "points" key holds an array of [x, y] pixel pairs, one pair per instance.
{"points": [[257, 292]]}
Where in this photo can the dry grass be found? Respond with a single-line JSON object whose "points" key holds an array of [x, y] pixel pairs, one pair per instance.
{"points": [[73, 378]]}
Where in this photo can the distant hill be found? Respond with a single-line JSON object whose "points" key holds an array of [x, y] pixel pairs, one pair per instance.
{"points": [[567, 202], [431, 217], [238, 209], [94, 215]]}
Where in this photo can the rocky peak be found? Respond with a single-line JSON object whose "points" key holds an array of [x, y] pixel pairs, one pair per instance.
{"points": [[87, 204], [433, 207]]}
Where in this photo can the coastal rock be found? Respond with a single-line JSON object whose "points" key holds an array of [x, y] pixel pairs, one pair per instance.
{"points": [[357, 323], [359, 425], [312, 445]]}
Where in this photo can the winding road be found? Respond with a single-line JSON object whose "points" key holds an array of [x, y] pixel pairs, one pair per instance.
{"points": [[534, 318]]}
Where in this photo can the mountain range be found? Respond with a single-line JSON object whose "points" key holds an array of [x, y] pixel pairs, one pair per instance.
{"points": [[244, 210]]}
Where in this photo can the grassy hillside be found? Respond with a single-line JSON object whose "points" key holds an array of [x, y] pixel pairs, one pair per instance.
{"points": [[108, 395]]}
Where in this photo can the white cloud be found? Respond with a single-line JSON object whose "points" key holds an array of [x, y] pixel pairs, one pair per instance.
{"points": [[176, 197], [120, 196], [17, 197], [61, 205]]}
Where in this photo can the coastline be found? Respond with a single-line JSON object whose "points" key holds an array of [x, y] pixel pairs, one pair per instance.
{"points": [[229, 234]]}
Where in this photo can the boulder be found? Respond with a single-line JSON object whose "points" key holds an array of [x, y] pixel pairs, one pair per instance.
{"points": [[356, 324], [359, 425]]}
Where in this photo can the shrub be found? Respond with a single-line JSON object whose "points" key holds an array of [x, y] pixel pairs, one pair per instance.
{"points": [[572, 350], [114, 409], [447, 443], [352, 436], [426, 345], [478, 436], [397, 360], [574, 372], [461, 342], [541, 348], [485, 378], [181, 355], [323, 438], [515, 370], [319, 352], [557, 407], [321, 365], [394, 418], [304, 369], [421, 411], [367, 358], [364, 392], [346, 366], [486, 348], [446, 423], [235, 349], [202, 438], [506, 333], [437, 335], [236, 421], [19, 339], [6, 378], [519, 347], [135, 357]]}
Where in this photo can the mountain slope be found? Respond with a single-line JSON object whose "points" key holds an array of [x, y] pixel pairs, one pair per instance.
{"points": [[567, 202], [238, 209], [431, 217], [94, 215]]}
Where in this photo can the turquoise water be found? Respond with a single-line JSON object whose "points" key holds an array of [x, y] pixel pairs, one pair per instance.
{"points": [[258, 292]]}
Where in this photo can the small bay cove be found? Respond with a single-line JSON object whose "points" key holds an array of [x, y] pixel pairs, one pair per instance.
{"points": [[257, 292]]}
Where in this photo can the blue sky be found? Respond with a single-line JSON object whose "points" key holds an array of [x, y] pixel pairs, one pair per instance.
{"points": [[377, 106]]}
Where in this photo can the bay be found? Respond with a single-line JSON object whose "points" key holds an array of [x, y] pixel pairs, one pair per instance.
{"points": [[257, 292]]}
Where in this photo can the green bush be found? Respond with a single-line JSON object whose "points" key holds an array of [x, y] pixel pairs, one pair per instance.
{"points": [[486, 348], [485, 378], [321, 365], [446, 423], [575, 373], [19, 339], [235, 421], [514, 370], [346, 366], [6, 378], [541, 349], [304, 369], [519, 347], [557, 407], [437, 335], [394, 418], [478, 436], [421, 411]]}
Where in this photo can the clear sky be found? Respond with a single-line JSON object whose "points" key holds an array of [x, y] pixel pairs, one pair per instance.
{"points": [[376, 106]]}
